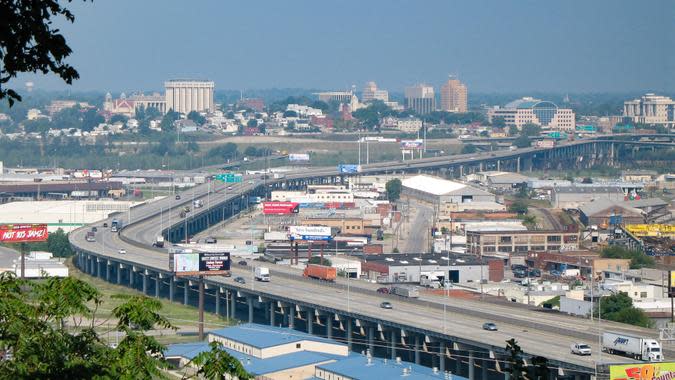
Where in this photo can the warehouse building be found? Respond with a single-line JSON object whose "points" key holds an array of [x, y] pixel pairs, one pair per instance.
{"points": [[412, 268], [576, 195], [502, 243], [438, 191], [605, 212]]}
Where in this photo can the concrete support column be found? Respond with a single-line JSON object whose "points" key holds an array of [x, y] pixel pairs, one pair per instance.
{"points": [[310, 321], [392, 344], [291, 317], [233, 306], [107, 271], [131, 277], [458, 366], [119, 274], [217, 301], [172, 287], [371, 339], [329, 326], [250, 309], [349, 334], [499, 165], [507, 376], [186, 292], [145, 283], [417, 349], [272, 313], [484, 369], [471, 366], [441, 356], [518, 164], [158, 285]]}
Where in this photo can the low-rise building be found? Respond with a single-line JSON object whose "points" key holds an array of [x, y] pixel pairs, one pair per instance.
{"points": [[503, 243], [576, 195], [589, 264], [438, 191], [605, 212]]}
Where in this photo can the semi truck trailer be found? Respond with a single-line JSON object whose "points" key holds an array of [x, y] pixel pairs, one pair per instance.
{"points": [[636, 347]]}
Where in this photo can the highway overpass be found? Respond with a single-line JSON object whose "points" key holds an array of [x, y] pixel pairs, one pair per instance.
{"points": [[446, 334]]}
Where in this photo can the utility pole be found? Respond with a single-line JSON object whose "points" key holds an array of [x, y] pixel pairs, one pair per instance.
{"points": [[201, 307]]}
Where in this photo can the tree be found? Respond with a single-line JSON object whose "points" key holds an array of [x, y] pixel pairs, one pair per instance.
{"points": [[250, 151], [91, 119], [252, 123], [196, 117], [117, 118], [499, 122], [529, 221], [519, 206], [168, 120], [319, 261], [217, 363], [637, 259], [58, 244], [619, 308], [29, 42], [469, 148], [513, 130], [530, 129], [522, 141], [393, 187], [516, 367]]}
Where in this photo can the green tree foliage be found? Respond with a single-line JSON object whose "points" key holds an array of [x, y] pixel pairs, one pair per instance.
{"points": [[515, 367], [252, 151], [168, 120], [498, 122], [529, 221], [513, 130], [216, 363], [196, 117], [31, 42], [67, 118], [252, 123], [37, 125], [319, 261], [371, 116], [619, 308], [522, 141], [117, 118], [91, 119], [58, 244], [530, 129], [519, 206], [393, 187], [637, 259], [38, 317], [469, 148], [438, 117], [225, 151], [290, 114]]}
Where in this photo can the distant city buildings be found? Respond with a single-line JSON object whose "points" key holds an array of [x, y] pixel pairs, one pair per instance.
{"points": [[342, 97], [534, 111], [651, 109], [406, 125], [454, 96], [255, 104], [371, 92], [420, 98], [57, 106], [185, 96]]}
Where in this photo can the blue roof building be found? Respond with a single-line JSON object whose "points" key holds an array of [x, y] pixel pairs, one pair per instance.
{"points": [[361, 367]]}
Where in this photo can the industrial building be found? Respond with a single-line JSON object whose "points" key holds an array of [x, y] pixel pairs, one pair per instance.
{"points": [[37, 264], [185, 96], [576, 195], [497, 180], [438, 191], [502, 243], [586, 261], [411, 268], [605, 212]]}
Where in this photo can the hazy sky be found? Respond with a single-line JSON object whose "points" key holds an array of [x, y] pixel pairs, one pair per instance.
{"points": [[493, 45]]}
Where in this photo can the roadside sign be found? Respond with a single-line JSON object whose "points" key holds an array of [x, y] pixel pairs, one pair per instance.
{"points": [[21, 233], [199, 263], [229, 177]]}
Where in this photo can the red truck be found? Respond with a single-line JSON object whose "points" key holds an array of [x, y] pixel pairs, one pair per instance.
{"points": [[320, 272]]}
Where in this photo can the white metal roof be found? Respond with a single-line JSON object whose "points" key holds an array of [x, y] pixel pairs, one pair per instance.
{"points": [[432, 185]]}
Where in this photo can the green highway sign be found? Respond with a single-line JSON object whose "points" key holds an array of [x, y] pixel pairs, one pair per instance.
{"points": [[229, 177]]}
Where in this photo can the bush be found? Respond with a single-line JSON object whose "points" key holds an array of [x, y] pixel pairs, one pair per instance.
{"points": [[637, 259]]}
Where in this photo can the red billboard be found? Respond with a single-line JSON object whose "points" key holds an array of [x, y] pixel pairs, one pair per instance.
{"points": [[280, 208], [21, 233]]}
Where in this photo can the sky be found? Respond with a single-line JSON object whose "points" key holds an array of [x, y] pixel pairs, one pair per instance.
{"points": [[500, 46]]}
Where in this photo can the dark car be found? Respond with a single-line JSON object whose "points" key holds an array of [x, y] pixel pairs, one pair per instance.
{"points": [[94, 229], [534, 273], [386, 305], [243, 263], [489, 326], [105, 224], [519, 273], [240, 280], [383, 290], [210, 240], [177, 197]]}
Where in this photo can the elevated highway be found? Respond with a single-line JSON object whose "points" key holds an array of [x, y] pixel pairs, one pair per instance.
{"points": [[430, 331]]}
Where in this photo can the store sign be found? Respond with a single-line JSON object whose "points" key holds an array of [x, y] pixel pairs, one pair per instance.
{"points": [[640, 371]]}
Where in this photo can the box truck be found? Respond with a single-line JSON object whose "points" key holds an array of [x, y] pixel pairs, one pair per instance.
{"points": [[262, 274], [405, 291], [636, 347], [320, 272]]}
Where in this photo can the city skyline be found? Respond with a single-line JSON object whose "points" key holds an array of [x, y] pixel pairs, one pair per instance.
{"points": [[280, 48]]}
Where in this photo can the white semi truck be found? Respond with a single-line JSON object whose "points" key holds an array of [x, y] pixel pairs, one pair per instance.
{"points": [[636, 347], [262, 274]]}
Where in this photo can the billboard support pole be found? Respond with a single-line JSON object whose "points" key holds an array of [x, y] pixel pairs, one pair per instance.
{"points": [[201, 307], [23, 260]]}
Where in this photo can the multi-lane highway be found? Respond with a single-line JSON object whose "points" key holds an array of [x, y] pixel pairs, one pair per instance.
{"points": [[538, 333]]}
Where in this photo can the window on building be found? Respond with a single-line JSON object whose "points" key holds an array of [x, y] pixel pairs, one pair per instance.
{"points": [[553, 238], [297, 345], [505, 239]]}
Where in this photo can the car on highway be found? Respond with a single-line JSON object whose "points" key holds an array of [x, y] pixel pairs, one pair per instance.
{"points": [[386, 305], [94, 229], [383, 290], [229, 188], [580, 349], [177, 197], [243, 263], [240, 280], [122, 251], [105, 225], [489, 326], [210, 240]]}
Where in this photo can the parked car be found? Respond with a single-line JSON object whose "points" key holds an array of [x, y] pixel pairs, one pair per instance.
{"points": [[243, 263], [240, 280], [122, 251], [94, 229], [489, 326], [386, 305], [580, 349], [556, 273], [177, 197], [383, 290], [534, 273], [519, 273]]}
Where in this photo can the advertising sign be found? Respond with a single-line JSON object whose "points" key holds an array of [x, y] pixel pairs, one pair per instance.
{"points": [[22, 233], [199, 263], [349, 168], [310, 232], [298, 157], [671, 284], [411, 144], [280, 208], [641, 371], [229, 177]]}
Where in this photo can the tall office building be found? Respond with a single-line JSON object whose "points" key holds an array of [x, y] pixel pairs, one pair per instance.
{"points": [[651, 109], [453, 96], [420, 98], [185, 96], [371, 92]]}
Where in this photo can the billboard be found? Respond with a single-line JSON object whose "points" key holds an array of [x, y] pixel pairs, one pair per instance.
{"points": [[280, 208], [349, 168], [671, 284], [298, 157], [642, 371], [411, 144], [199, 263], [310, 232], [22, 233]]}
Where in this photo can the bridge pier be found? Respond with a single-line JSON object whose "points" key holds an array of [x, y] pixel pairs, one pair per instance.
{"points": [[392, 344], [441, 356], [484, 369], [172, 287], [371, 339], [471, 366], [272, 313], [349, 333], [310, 321], [145, 282], [107, 270], [233, 307], [329, 326], [291, 317], [250, 309], [186, 291], [417, 349], [131, 276], [217, 300], [158, 282], [119, 274]]}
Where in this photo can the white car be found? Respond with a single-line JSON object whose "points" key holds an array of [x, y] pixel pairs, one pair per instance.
{"points": [[580, 349], [122, 251]]}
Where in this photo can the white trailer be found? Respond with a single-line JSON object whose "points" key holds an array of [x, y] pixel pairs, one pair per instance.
{"points": [[636, 347], [262, 274]]}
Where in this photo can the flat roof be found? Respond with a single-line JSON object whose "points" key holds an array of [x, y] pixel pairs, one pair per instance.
{"points": [[357, 367], [262, 336], [432, 185], [406, 259]]}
